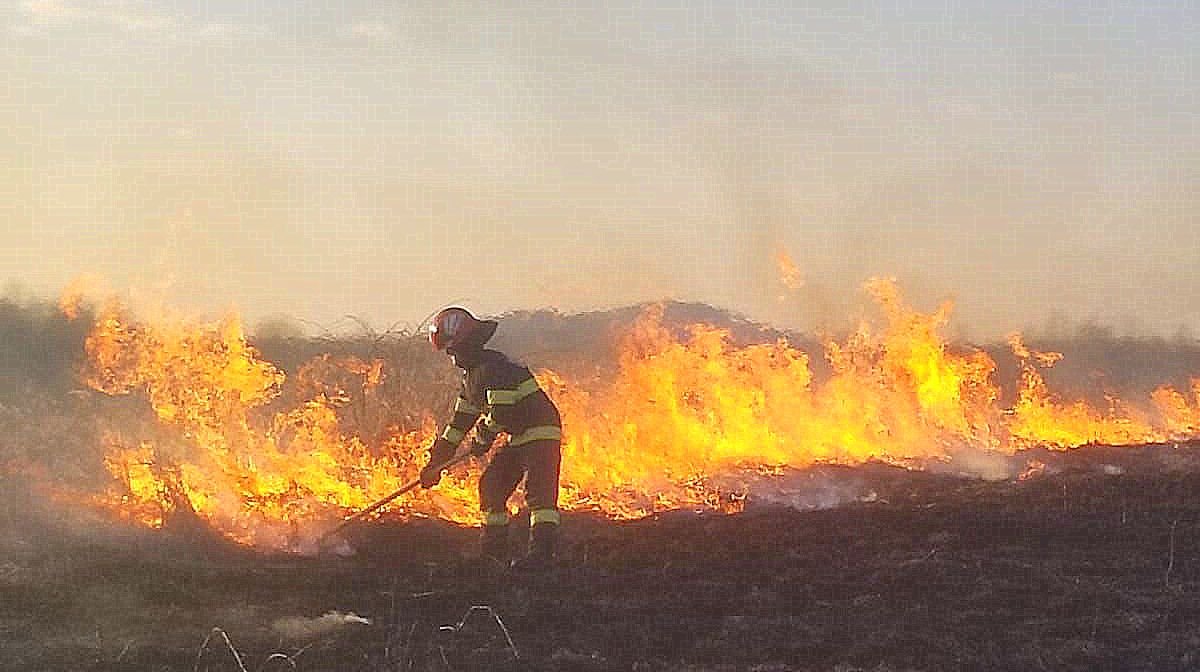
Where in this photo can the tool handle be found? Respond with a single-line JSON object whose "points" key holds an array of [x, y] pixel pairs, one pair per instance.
{"points": [[387, 500]]}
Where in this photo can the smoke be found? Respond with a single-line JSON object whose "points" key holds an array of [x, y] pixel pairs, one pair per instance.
{"points": [[975, 463], [530, 159], [296, 628], [816, 488], [1097, 364], [40, 350]]}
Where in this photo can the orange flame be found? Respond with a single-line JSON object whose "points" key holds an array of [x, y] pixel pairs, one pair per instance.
{"points": [[686, 421], [70, 300], [789, 273], [1040, 418], [258, 483]]}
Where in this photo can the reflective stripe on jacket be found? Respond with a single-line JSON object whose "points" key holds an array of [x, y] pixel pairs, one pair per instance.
{"points": [[499, 395]]}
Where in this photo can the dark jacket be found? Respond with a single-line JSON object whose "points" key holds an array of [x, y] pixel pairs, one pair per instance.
{"points": [[500, 396]]}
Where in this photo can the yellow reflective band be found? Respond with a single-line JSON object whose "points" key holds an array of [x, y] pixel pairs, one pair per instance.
{"points": [[490, 423], [495, 518], [453, 434], [510, 397], [540, 433], [538, 516], [463, 406]]}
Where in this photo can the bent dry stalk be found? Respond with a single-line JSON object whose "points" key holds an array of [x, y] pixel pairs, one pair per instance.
{"points": [[492, 612], [237, 657]]}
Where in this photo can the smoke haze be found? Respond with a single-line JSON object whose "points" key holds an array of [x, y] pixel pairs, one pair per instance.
{"points": [[1034, 164]]}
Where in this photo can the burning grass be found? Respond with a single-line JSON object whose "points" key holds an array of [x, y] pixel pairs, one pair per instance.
{"points": [[270, 443], [686, 418]]}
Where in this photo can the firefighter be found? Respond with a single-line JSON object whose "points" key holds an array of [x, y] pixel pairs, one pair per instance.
{"points": [[499, 396]]}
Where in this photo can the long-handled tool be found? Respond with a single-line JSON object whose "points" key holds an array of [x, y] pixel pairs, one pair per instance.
{"points": [[386, 500]]}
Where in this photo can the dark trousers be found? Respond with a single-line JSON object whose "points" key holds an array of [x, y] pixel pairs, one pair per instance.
{"points": [[538, 462]]}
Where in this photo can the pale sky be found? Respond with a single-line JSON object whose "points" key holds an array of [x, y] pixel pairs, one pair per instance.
{"points": [[318, 160]]}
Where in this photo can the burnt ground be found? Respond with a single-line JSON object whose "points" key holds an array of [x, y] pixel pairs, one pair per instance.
{"points": [[1092, 564]]}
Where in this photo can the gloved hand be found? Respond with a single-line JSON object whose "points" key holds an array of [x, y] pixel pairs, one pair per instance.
{"points": [[439, 453], [479, 448], [431, 475]]}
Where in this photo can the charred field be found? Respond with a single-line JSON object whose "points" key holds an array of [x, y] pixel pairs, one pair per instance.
{"points": [[1090, 564]]}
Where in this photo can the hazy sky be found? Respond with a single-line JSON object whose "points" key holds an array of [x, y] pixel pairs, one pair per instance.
{"points": [[318, 160]]}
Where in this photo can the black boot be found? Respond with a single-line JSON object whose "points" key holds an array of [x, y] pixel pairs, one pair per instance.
{"points": [[543, 543], [494, 545]]}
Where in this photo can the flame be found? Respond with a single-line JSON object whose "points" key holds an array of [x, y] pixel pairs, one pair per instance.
{"points": [[70, 300], [258, 482], [682, 411], [1181, 416], [789, 273], [688, 420], [1040, 418]]}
